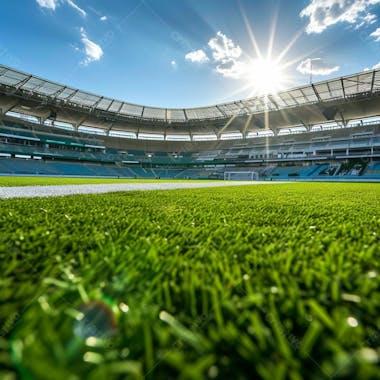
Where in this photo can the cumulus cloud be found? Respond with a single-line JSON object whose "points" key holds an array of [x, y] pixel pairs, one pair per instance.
{"points": [[325, 13], [103, 18], [53, 4], [232, 69], [376, 34], [227, 56], [316, 66], [92, 50], [377, 66], [223, 48], [50, 4], [198, 56]]}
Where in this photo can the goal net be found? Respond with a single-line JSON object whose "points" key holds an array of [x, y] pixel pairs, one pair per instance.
{"points": [[241, 176]]}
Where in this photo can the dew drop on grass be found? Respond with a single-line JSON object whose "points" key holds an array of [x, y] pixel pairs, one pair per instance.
{"points": [[351, 298], [369, 355], [124, 353], [98, 321], [92, 357], [352, 322], [372, 274], [213, 372], [274, 289], [123, 307]]}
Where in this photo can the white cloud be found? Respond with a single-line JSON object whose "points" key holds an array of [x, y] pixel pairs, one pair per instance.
{"points": [[103, 18], [316, 66], [174, 64], [376, 34], [78, 9], [232, 69], [368, 19], [92, 50], [197, 56], [226, 54], [325, 13], [50, 4], [223, 48], [377, 66], [53, 4]]}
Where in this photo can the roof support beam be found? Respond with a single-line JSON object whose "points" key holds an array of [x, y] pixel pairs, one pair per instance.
{"points": [[303, 94], [3, 71], [373, 81], [343, 89], [22, 82], [344, 121], [293, 98], [316, 92], [97, 102], [4, 108], [108, 108], [221, 111], [328, 87], [246, 109], [72, 95], [59, 92], [286, 103], [109, 128], [119, 109], [80, 122], [270, 97]]}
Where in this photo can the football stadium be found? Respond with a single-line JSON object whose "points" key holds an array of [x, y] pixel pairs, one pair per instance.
{"points": [[237, 240]]}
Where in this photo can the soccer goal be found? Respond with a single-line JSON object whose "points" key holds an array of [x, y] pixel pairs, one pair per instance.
{"points": [[241, 176]]}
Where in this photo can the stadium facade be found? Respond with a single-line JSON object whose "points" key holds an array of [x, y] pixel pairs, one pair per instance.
{"points": [[327, 130]]}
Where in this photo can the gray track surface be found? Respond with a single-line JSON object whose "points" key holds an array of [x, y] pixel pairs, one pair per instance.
{"points": [[54, 191]]}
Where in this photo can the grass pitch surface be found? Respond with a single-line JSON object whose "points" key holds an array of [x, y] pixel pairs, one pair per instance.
{"points": [[271, 282]]}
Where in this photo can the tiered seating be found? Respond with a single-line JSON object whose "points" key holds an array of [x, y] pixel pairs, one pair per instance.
{"points": [[373, 170], [298, 171], [21, 166]]}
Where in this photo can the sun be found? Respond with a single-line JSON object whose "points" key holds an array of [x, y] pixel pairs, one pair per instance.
{"points": [[265, 76]]}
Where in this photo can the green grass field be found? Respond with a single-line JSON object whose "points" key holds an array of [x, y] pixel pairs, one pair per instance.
{"points": [[272, 282], [49, 181]]}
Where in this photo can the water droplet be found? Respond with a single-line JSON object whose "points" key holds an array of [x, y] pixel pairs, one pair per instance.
{"points": [[372, 274], [274, 289], [123, 307], [352, 322], [213, 372], [369, 355], [98, 321]]}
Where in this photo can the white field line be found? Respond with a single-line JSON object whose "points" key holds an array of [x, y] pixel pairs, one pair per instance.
{"points": [[54, 191]]}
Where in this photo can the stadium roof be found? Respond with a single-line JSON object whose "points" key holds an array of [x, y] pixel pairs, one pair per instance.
{"points": [[365, 82], [312, 103]]}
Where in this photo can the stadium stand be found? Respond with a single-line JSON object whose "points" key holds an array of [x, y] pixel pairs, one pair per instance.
{"points": [[318, 136]]}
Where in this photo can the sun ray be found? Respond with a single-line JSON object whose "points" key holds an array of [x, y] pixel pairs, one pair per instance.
{"points": [[290, 45], [250, 32], [272, 33]]}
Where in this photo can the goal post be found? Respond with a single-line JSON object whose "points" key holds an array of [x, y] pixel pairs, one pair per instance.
{"points": [[241, 176]]}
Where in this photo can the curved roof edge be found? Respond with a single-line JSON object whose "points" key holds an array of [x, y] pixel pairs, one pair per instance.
{"points": [[366, 82]]}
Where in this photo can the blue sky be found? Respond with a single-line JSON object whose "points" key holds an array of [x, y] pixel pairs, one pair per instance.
{"points": [[184, 53]]}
